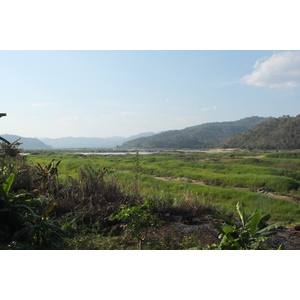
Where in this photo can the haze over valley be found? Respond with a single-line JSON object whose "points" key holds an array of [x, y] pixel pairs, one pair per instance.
{"points": [[254, 132]]}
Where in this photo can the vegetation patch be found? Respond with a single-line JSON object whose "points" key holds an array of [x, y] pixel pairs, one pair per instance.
{"points": [[71, 201]]}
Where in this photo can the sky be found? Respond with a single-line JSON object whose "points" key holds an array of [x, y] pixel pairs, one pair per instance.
{"points": [[104, 93]]}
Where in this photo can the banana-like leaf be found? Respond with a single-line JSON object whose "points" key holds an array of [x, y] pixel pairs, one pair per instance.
{"points": [[8, 183], [241, 213], [263, 221], [254, 221], [273, 226]]}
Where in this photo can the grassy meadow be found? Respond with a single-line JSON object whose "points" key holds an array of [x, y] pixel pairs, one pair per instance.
{"points": [[216, 179]]}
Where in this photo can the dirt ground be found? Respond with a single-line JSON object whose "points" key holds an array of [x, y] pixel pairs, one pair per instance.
{"points": [[208, 235]]}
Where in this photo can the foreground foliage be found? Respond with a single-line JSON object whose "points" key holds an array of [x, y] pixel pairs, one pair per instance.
{"points": [[245, 236], [20, 221]]}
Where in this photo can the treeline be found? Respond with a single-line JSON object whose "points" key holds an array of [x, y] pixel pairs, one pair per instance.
{"points": [[276, 134], [203, 136]]}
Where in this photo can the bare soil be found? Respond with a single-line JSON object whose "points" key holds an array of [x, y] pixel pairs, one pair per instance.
{"points": [[289, 237]]}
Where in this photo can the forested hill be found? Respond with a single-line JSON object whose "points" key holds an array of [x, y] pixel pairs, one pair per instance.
{"points": [[277, 134], [202, 136]]}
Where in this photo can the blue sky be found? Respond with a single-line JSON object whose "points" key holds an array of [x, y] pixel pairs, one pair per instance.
{"points": [[122, 93]]}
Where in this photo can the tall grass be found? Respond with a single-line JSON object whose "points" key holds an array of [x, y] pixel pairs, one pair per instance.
{"points": [[222, 172], [224, 199]]}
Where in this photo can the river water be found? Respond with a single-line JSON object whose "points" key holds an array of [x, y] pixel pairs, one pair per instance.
{"points": [[114, 153]]}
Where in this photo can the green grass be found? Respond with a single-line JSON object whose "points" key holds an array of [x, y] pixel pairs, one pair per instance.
{"points": [[225, 199], [222, 172]]}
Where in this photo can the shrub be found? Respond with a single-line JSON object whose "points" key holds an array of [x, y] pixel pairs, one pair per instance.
{"points": [[247, 236], [20, 221]]}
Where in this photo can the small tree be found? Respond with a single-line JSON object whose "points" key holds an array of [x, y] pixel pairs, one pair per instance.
{"points": [[10, 149]]}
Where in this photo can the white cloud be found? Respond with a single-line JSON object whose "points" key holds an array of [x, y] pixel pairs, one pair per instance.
{"points": [[281, 70]]}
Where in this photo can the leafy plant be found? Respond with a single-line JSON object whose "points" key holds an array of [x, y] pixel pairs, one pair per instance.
{"points": [[10, 149], [245, 236], [19, 220], [138, 219], [41, 231], [14, 211], [45, 175]]}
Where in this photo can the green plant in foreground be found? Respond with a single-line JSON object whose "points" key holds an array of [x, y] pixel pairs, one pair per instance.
{"points": [[41, 231], [247, 236], [9, 149], [14, 211], [138, 219], [45, 175], [20, 223]]}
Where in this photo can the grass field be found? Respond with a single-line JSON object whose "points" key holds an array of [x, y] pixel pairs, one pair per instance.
{"points": [[223, 179]]}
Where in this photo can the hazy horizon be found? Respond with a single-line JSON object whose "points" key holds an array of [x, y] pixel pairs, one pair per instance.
{"points": [[119, 136], [123, 93]]}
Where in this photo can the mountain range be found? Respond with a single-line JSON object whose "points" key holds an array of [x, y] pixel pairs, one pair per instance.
{"points": [[70, 142], [84, 142], [204, 136], [248, 133]]}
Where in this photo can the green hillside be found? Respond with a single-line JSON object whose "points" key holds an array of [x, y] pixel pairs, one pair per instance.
{"points": [[202, 136], [276, 134]]}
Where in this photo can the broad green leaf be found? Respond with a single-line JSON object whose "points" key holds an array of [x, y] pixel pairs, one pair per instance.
{"points": [[274, 226], [8, 183], [263, 221], [227, 229], [254, 221]]}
